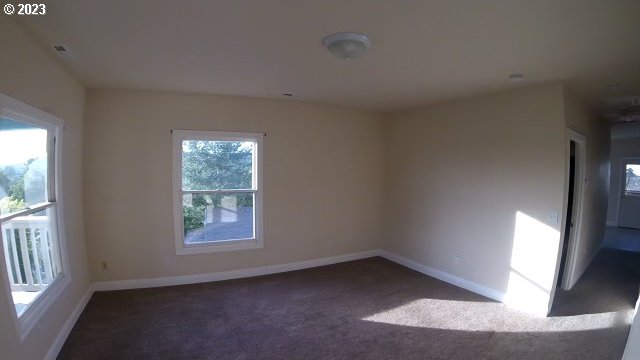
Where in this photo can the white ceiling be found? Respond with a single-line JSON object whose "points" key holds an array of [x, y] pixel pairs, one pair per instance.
{"points": [[422, 51]]}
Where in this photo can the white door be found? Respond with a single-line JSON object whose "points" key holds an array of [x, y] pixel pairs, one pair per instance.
{"points": [[629, 215]]}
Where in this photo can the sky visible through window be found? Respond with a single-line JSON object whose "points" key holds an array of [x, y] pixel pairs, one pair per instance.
{"points": [[632, 178], [17, 146], [23, 166], [635, 168]]}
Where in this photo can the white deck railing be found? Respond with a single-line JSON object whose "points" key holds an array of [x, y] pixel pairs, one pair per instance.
{"points": [[29, 253]]}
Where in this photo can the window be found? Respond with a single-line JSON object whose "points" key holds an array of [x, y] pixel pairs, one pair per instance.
{"points": [[30, 213], [217, 191], [632, 179]]}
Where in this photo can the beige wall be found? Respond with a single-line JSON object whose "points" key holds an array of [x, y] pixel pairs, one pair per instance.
{"points": [[459, 173], [632, 350], [444, 186], [322, 180], [29, 74], [596, 183], [620, 148]]}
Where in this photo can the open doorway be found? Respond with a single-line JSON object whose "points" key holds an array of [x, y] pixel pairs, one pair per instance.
{"points": [[573, 211], [572, 218], [569, 218]]}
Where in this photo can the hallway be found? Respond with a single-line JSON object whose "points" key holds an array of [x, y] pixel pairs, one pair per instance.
{"points": [[622, 238], [610, 284]]}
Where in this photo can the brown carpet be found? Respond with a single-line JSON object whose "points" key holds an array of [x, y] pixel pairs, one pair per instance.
{"points": [[367, 309]]}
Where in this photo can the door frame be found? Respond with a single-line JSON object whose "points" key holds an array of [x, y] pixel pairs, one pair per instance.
{"points": [[575, 236]]}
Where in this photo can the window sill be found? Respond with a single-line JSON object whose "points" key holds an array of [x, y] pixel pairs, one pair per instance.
{"points": [[40, 305], [219, 246]]}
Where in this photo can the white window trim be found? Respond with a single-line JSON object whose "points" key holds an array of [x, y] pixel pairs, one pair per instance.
{"points": [[16, 110], [226, 245]]}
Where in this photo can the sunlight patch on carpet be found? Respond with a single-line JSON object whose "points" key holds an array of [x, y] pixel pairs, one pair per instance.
{"points": [[488, 316]]}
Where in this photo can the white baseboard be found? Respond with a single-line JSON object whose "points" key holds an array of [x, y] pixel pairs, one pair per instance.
{"points": [[228, 275], [258, 271], [445, 276], [299, 265], [55, 348]]}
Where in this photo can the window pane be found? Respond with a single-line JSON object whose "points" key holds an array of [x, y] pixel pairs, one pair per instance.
{"points": [[213, 165], [23, 165], [217, 217], [31, 255], [632, 178]]}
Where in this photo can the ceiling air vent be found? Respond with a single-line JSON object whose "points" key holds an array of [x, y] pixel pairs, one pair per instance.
{"points": [[623, 109], [61, 50]]}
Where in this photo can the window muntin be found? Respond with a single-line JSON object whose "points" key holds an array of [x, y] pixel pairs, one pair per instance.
{"points": [[632, 179], [218, 194], [30, 215]]}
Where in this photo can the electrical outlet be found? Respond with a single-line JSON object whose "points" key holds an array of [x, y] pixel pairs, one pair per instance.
{"points": [[105, 265]]}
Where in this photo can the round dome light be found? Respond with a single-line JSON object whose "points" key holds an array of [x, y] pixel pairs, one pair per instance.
{"points": [[346, 45]]}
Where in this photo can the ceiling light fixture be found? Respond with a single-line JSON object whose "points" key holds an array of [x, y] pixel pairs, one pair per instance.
{"points": [[516, 77], [346, 45]]}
